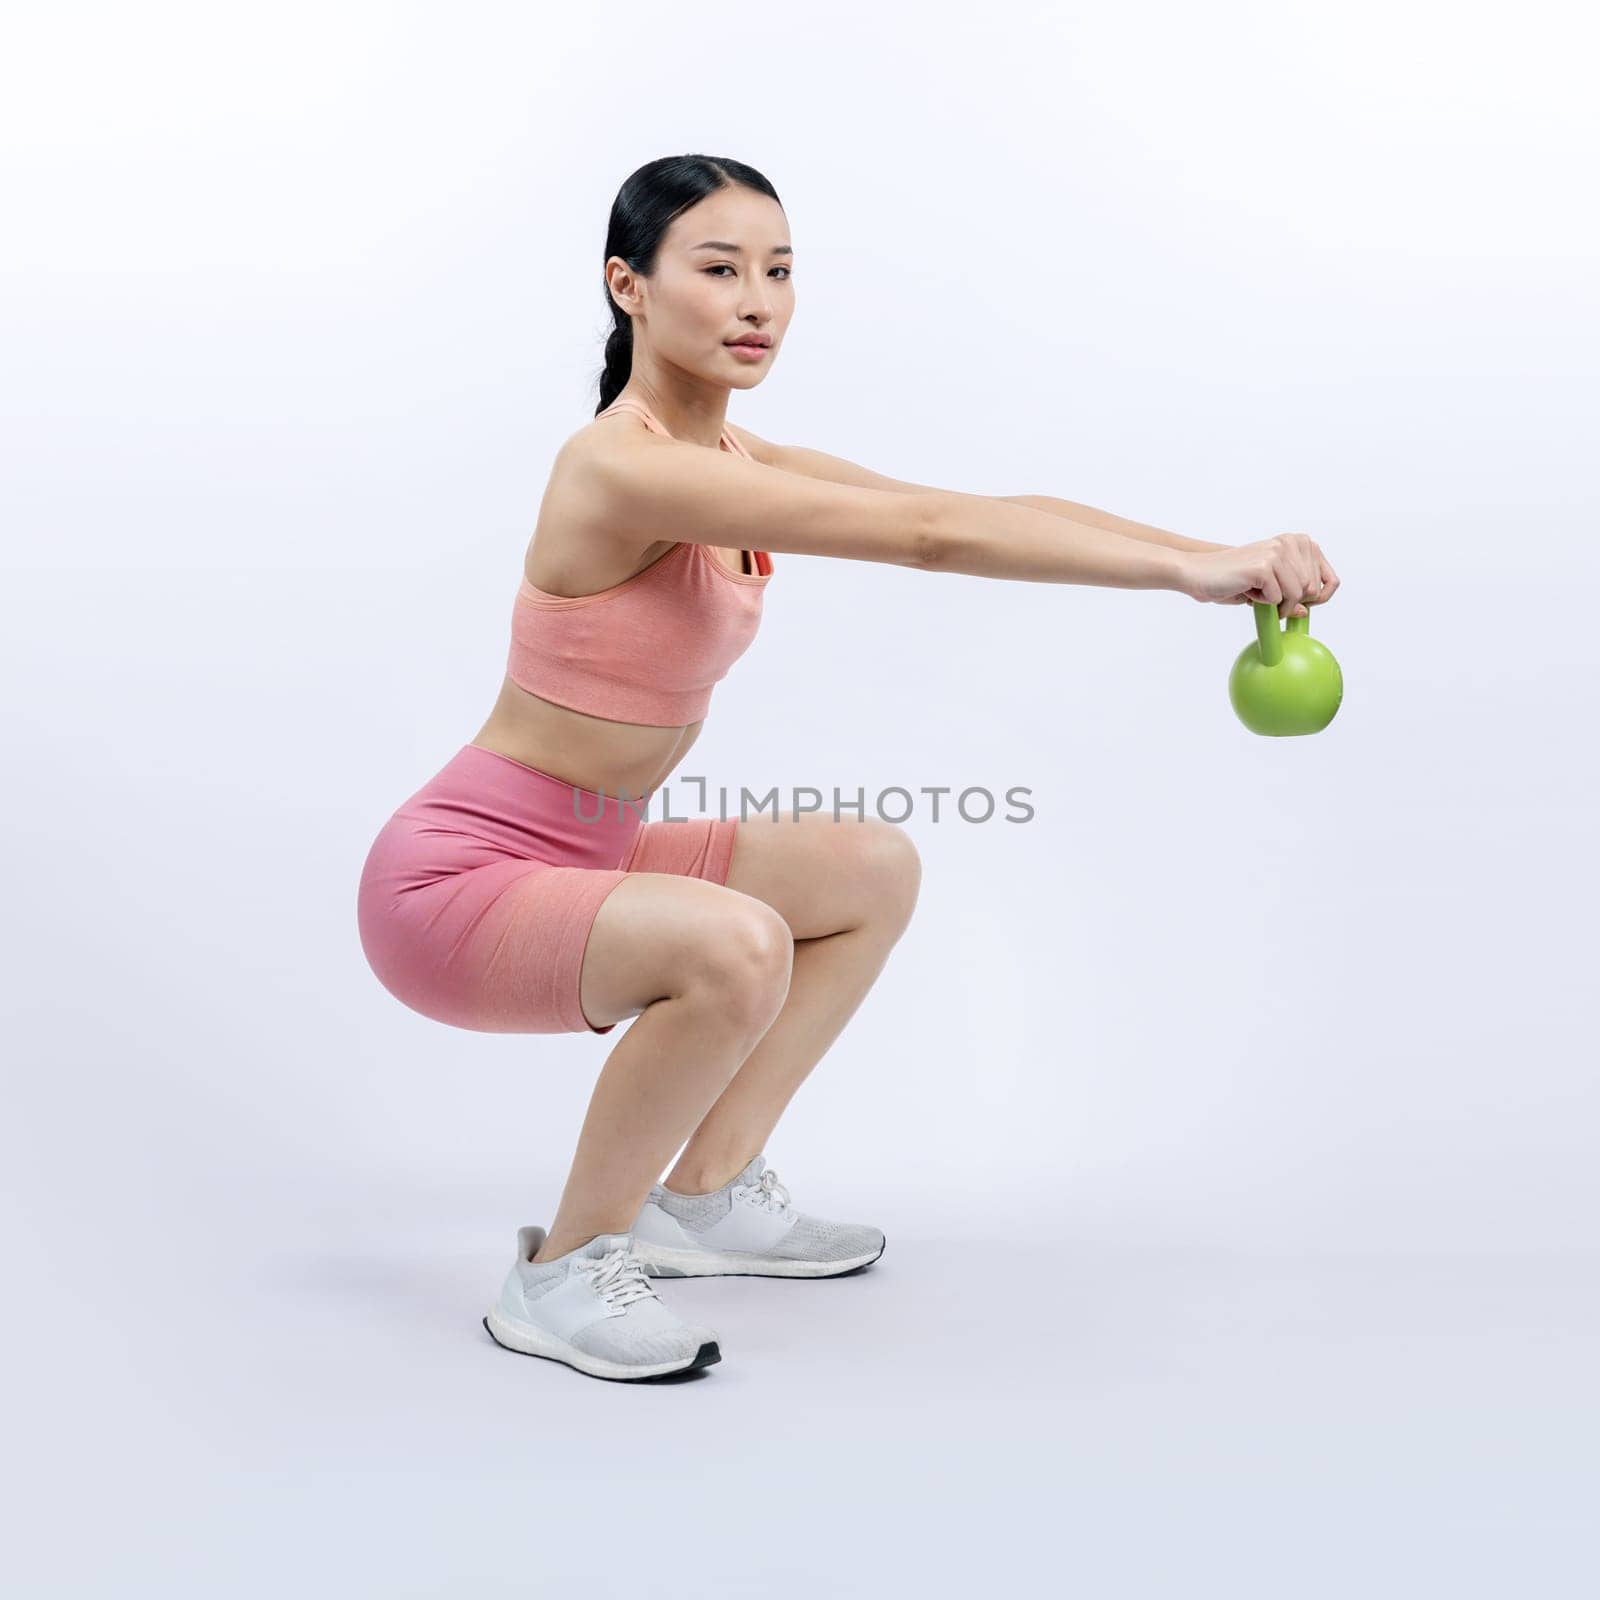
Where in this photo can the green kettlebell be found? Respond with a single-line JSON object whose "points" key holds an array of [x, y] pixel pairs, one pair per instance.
{"points": [[1285, 681]]}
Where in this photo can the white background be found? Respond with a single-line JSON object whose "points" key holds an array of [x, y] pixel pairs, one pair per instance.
{"points": [[1232, 1122]]}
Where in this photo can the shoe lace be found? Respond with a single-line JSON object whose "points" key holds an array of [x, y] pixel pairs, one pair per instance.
{"points": [[769, 1193], [618, 1277]]}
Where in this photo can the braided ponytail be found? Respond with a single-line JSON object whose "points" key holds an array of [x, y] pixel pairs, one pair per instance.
{"points": [[619, 357]]}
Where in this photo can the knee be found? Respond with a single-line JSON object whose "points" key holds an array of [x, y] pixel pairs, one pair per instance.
{"points": [[745, 967], [892, 867]]}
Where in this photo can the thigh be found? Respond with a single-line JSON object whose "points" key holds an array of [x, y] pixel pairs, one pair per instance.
{"points": [[694, 847], [823, 875], [495, 948], [673, 922], [658, 935], [479, 896]]}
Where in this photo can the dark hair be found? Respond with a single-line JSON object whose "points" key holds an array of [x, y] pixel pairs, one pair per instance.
{"points": [[644, 206]]}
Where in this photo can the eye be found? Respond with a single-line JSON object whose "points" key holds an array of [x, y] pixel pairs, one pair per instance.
{"points": [[722, 266]]}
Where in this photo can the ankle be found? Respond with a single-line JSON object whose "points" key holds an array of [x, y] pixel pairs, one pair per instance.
{"points": [[559, 1245], [701, 1178]]}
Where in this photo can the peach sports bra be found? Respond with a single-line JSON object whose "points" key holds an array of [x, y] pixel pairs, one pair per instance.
{"points": [[648, 649]]}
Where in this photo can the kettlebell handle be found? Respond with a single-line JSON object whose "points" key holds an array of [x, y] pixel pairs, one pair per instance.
{"points": [[1269, 633]]}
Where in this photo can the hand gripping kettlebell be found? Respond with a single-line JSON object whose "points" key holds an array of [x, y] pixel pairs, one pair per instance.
{"points": [[1284, 681]]}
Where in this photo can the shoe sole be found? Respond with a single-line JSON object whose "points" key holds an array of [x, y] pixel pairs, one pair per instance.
{"points": [[528, 1340], [667, 1261]]}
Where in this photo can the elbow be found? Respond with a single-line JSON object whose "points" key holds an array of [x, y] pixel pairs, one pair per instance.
{"points": [[932, 542]]}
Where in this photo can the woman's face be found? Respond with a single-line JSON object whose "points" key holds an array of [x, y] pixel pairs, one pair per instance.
{"points": [[723, 272]]}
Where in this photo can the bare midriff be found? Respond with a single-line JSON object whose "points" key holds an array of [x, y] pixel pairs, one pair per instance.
{"points": [[591, 752]]}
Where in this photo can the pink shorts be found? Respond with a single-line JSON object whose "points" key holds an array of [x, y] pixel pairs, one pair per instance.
{"points": [[478, 894]]}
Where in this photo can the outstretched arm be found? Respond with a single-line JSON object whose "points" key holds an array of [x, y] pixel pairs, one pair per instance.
{"points": [[835, 469], [682, 491]]}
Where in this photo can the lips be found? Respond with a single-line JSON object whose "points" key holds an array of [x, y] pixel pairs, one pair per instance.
{"points": [[757, 344]]}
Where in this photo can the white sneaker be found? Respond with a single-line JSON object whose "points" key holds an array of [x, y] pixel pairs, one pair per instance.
{"points": [[594, 1308], [746, 1228]]}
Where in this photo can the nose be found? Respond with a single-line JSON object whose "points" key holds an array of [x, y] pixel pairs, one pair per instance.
{"points": [[758, 305]]}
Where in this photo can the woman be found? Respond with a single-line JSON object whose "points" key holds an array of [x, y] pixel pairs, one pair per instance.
{"points": [[516, 891]]}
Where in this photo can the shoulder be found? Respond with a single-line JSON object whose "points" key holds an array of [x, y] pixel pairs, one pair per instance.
{"points": [[602, 435], [606, 447], [599, 473], [599, 450]]}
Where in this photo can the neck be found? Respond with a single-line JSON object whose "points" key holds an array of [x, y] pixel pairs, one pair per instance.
{"points": [[697, 417]]}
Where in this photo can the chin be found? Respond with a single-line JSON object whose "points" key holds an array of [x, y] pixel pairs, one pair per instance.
{"points": [[750, 379]]}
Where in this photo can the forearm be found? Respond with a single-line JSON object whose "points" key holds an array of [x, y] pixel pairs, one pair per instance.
{"points": [[1113, 524], [990, 537]]}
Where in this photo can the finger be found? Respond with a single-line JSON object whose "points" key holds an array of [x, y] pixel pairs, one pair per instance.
{"points": [[1326, 579], [1299, 582], [1310, 581]]}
